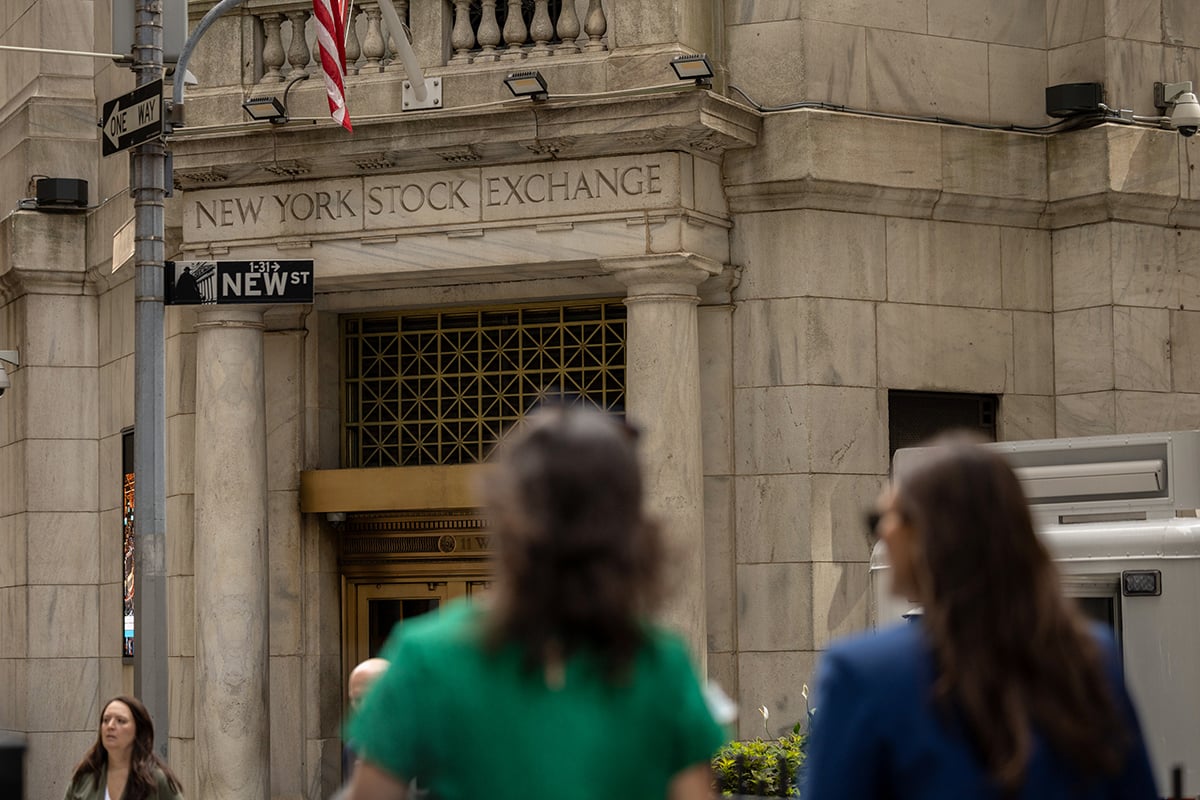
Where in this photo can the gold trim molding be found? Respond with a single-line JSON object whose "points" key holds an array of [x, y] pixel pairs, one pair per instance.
{"points": [[323, 491]]}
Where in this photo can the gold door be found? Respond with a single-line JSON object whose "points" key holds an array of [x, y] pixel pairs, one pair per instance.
{"points": [[397, 566], [376, 606]]}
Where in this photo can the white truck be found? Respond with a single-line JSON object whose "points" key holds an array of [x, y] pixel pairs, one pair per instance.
{"points": [[1119, 516]]}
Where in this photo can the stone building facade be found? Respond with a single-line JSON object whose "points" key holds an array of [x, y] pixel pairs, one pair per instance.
{"points": [[754, 282]]}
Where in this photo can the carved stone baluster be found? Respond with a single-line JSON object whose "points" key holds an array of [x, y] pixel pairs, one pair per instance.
{"points": [[568, 29], [489, 32], [373, 42], [353, 46], [595, 26], [462, 38], [541, 30], [514, 32], [298, 53], [393, 58], [272, 55]]}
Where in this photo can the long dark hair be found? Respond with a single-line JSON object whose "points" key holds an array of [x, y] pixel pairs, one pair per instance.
{"points": [[141, 783], [577, 560], [1013, 653]]}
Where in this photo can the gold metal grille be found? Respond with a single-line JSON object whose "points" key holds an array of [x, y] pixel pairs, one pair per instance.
{"points": [[424, 388]]}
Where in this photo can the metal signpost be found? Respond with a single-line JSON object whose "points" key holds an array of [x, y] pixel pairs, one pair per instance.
{"points": [[136, 119]]}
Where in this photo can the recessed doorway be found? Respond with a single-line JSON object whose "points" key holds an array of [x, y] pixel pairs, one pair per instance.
{"points": [[376, 606]]}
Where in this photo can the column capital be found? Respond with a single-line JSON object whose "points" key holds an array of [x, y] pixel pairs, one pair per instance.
{"points": [[662, 276], [230, 317], [718, 290]]}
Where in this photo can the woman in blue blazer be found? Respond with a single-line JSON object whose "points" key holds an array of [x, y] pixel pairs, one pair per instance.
{"points": [[1001, 689]]}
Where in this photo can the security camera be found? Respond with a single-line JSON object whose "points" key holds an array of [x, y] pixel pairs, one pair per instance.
{"points": [[7, 357], [1185, 118]]}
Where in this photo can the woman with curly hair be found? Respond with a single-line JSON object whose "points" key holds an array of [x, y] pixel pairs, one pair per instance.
{"points": [[559, 687], [122, 764], [1001, 688]]}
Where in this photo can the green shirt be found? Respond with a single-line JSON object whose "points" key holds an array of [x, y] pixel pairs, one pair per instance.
{"points": [[469, 724]]}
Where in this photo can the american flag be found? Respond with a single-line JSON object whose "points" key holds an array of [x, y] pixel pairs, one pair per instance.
{"points": [[331, 36]]}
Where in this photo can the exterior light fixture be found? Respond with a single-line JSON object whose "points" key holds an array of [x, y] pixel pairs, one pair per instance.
{"points": [[266, 109], [270, 108], [694, 68], [527, 83]]}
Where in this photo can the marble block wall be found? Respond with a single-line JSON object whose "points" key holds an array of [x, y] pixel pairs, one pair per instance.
{"points": [[834, 309], [1127, 314], [48, 127], [55, 588], [181, 515], [976, 60]]}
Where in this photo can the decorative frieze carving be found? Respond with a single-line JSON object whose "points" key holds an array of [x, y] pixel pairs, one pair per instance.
{"points": [[288, 169], [458, 155], [199, 176], [374, 162]]}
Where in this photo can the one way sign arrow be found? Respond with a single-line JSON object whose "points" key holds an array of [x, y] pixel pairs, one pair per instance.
{"points": [[132, 118]]}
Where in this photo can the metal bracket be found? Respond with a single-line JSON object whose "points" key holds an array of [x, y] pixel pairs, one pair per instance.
{"points": [[1166, 93], [433, 95]]}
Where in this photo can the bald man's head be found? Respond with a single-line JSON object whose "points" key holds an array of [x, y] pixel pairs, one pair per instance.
{"points": [[362, 676]]}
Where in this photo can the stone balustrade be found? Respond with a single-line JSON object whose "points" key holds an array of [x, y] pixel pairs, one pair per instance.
{"points": [[480, 31]]}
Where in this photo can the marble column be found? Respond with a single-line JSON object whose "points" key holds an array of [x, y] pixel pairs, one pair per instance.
{"points": [[662, 397], [232, 718]]}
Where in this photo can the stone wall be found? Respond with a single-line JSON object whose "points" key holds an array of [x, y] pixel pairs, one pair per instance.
{"points": [[57, 660], [976, 60]]}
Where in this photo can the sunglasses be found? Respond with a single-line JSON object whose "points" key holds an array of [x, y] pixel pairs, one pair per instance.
{"points": [[872, 519]]}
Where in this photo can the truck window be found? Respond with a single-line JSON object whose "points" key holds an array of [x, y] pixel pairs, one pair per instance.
{"points": [[1101, 609]]}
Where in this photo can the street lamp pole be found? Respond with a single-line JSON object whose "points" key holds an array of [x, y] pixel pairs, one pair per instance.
{"points": [[148, 186]]}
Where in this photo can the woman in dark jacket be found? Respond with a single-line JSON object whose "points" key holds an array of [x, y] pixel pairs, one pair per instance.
{"points": [[1001, 689], [122, 764]]}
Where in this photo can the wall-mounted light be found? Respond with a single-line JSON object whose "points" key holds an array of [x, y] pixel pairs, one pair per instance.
{"points": [[527, 83], [694, 68], [266, 109], [269, 108]]}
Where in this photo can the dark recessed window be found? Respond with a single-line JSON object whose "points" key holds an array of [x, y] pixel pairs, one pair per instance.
{"points": [[916, 417]]}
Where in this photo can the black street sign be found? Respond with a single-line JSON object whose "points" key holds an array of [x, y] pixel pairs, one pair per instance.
{"points": [[132, 118], [195, 283]]}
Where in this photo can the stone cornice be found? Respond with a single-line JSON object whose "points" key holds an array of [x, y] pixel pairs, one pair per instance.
{"points": [[19, 282], [695, 121], [842, 162], [42, 254]]}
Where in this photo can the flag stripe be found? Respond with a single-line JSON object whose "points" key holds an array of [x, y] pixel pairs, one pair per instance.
{"points": [[330, 25]]}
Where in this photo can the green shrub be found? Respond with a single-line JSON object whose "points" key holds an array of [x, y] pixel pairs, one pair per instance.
{"points": [[754, 767]]}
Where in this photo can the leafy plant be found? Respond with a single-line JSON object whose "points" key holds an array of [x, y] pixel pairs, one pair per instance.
{"points": [[765, 767], [758, 767]]}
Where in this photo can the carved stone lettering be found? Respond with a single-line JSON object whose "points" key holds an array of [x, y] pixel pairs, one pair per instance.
{"points": [[447, 197]]}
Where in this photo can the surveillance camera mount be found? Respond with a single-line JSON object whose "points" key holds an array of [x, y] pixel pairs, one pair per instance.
{"points": [[7, 357], [1165, 94]]}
